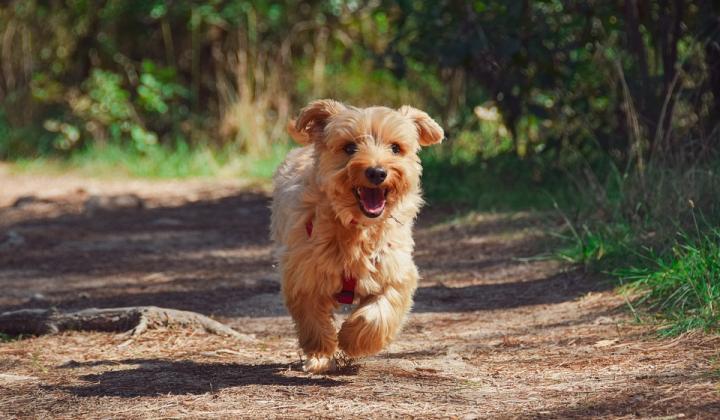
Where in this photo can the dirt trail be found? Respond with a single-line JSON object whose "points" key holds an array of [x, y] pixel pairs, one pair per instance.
{"points": [[492, 334]]}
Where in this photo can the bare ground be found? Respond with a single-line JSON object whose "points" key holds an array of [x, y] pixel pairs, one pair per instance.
{"points": [[492, 334]]}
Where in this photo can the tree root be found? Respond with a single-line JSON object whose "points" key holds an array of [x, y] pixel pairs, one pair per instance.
{"points": [[133, 321]]}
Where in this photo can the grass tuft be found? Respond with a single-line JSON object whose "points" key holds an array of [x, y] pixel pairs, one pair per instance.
{"points": [[683, 284], [598, 246], [679, 281]]}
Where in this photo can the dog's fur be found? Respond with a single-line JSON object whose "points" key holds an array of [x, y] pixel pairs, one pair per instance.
{"points": [[319, 183]]}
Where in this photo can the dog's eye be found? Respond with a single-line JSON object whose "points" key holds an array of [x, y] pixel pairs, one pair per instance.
{"points": [[350, 148], [396, 148]]}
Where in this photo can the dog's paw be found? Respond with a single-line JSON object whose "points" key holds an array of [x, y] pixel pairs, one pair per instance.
{"points": [[319, 364], [359, 338], [343, 361]]}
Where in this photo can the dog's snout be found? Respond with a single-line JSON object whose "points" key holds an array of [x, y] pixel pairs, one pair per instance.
{"points": [[376, 175]]}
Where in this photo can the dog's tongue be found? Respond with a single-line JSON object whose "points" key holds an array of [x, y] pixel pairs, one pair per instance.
{"points": [[373, 199]]}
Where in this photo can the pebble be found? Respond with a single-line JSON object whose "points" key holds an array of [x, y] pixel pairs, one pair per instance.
{"points": [[96, 203]]}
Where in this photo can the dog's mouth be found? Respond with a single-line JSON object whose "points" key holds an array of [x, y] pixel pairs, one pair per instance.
{"points": [[371, 200]]}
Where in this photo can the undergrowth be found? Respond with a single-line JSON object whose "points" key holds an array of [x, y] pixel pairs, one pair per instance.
{"points": [[5, 338], [661, 242], [498, 183], [683, 283]]}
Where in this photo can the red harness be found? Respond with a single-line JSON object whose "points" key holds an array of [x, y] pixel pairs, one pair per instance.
{"points": [[347, 294]]}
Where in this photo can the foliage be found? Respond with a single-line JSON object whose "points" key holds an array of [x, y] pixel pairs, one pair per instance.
{"points": [[627, 76], [503, 182], [215, 72], [104, 110], [637, 79]]}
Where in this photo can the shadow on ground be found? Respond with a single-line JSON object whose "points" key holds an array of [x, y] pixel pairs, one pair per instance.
{"points": [[214, 257], [138, 240], [153, 377], [555, 288]]}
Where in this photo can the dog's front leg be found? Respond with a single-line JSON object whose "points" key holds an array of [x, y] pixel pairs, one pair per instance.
{"points": [[376, 321], [313, 317]]}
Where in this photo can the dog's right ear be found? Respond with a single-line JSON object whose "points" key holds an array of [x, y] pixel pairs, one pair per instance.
{"points": [[429, 132], [312, 120]]}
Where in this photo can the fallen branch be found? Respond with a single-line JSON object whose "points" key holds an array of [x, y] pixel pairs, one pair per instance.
{"points": [[133, 321]]}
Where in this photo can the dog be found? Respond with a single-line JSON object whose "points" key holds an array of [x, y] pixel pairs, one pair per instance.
{"points": [[343, 210]]}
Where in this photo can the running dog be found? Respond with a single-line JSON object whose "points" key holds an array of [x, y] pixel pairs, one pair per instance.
{"points": [[343, 210]]}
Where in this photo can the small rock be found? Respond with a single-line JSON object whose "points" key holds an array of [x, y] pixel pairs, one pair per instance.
{"points": [[37, 298], [603, 320], [96, 203]]}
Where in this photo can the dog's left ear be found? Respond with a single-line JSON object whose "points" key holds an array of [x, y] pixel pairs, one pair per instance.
{"points": [[429, 132], [310, 124]]}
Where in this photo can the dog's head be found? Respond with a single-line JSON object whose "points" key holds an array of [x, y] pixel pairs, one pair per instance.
{"points": [[367, 160]]}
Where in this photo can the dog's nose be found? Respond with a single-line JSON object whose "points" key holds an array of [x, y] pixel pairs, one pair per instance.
{"points": [[376, 175]]}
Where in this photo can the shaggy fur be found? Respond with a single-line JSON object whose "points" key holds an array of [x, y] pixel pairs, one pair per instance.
{"points": [[323, 183]]}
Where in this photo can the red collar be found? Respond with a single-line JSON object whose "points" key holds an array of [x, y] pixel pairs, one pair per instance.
{"points": [[347, 294], [309, 227]]}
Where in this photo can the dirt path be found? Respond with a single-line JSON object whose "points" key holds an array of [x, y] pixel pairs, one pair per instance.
{"points": [[491, 335]]}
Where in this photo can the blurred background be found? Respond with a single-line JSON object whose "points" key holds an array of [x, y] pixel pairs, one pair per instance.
{"points": [[607, 111]]}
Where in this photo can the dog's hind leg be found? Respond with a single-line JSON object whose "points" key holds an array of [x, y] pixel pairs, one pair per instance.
{"points": [[375, 322], [316, 332]]}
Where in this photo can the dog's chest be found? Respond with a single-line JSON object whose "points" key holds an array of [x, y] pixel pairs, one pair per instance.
{"points": [[375, 257]]}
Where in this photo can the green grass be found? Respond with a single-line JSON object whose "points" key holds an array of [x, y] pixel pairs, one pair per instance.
{"points": [[5, 338], [683, 284], [675, 282], [658, 235], [501, 183], [597, 246], [160, 162]]}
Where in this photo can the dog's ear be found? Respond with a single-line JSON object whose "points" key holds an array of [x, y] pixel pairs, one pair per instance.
{"points": [[312, 120], [300, 137], [429, 132]]}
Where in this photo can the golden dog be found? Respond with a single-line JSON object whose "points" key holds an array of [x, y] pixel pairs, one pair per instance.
{"points": [[342, 216]]}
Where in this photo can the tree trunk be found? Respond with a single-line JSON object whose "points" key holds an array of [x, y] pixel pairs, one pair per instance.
{"points": [[711, 10]]}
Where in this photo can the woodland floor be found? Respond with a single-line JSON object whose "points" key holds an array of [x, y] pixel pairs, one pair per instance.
{"points": [[493, 333]]}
